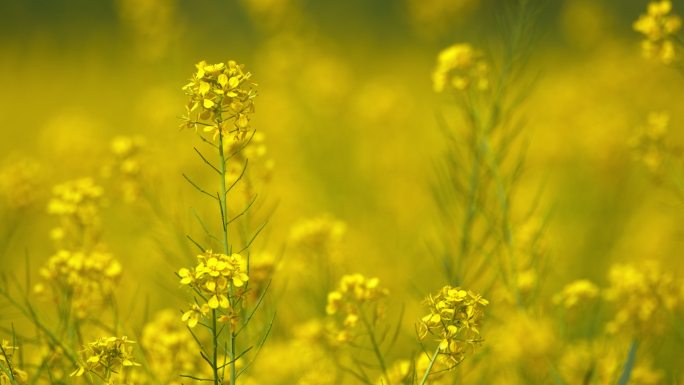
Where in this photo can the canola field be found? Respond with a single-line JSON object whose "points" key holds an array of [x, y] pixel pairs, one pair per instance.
{"points": [[305, 192]]}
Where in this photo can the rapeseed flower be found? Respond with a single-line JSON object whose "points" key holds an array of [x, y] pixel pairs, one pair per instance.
{"points": [[351, 302], [460, 67], [87, 278], [106, 356], [217, 278], [659, 27], [454, 319], [221, 99], [576, 293]]}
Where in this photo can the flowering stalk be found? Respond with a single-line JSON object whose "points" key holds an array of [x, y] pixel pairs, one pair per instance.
{"points": [[220, 103]]}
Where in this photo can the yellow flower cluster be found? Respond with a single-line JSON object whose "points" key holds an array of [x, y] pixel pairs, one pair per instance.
{"points": [[351, 299], [650, 145], [127, 166], [215, 277], [319, 235], [79, 198], [77, 204], [576, 293], [9, 373], [253, 148], [88, 279], [262, 266], [644, 298], [460, 67], [221, 99], [659, 27], [106, 356], [18, 183], [454, 319], [170, 349]]}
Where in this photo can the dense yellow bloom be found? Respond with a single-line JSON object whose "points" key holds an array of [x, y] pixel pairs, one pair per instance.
{"points": [[216, 277], [650, 145], [659, 27], [77, 204], [106, 356], [88, 279], [170, 349], [454, 321], [575, 293], [644, 298], [460, 67], [127, 165], [350, 302], [79, 198], [221, 99]]}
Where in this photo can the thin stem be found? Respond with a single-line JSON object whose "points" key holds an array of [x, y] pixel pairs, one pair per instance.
{"points": [[214, 364], [226, 248], [429, 368], [375, 345], [629, 364]]}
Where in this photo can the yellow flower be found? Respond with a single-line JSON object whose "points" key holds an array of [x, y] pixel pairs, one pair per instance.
{"points": [[454, 319], [216, 277], [576, 292], [220, 93], [192, 316], [460, 67], [106, 356], [355, 296], [643, 297], [89, 279], [659, 28]]}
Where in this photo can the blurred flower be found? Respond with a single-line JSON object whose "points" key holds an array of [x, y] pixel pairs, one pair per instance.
{"points": [[320, 235], [105, 357], [650, 145], [220, 94], [524, 341], [576, 293], [460, 67], [591, 362], [250, 149], [126, 166], [18, 183], [454, 320], [350, 304], [262, 266], [171, 350], [644, 298], [659, 27], [77, 204], [88, 279]]}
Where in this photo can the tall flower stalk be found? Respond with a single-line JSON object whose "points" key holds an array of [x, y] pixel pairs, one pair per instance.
{"points": [[219, 110]]}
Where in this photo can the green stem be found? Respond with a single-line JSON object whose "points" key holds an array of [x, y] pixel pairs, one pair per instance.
{"points": [[375, 345], [629, 364], [429, 368], [226, 247], [214, 366]]}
